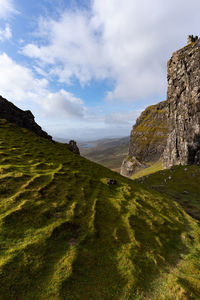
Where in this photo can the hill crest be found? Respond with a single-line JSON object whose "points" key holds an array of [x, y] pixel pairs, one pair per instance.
{"points": [[21, 118]]}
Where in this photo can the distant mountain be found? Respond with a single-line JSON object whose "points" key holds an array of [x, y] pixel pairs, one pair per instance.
{"points": [[107, 152]]}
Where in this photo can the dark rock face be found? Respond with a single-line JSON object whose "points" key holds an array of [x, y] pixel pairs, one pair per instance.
{"points": [[192, 39], [147, 140], [24, 119], [73, 147], [183, 107]]}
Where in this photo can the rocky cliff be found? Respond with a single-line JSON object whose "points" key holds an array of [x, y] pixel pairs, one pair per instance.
{"points": [[147, 140], [24, 119], [183, 106]]}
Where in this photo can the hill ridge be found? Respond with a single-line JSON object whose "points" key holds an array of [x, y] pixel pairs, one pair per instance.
{"points": [[21, 118]]}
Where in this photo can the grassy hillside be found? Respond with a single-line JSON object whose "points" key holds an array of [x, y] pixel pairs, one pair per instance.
{"points": [[157, 166], [107, 152], [181, 183], [66, 234]]}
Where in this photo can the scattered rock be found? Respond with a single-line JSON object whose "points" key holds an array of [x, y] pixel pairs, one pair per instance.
{"points": [[185, 192], [73, 242], [141, 180], [111, 181]]}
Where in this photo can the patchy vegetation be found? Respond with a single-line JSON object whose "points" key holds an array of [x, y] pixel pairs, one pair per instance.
{"points": [[66, 234]]}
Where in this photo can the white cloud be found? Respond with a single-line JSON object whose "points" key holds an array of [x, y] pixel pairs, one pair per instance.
{"points": [[5, 34], [122, 118], [128, 41], [19, 84], [7, 8], [60, 113], [73, 48], [63, 104]]}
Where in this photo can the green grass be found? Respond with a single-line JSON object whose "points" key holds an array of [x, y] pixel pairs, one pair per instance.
{"points": [[66, 234], [182, 184], [147, 171]]}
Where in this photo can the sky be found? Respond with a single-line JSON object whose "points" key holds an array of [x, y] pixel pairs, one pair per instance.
{"points": [[86, 69]]}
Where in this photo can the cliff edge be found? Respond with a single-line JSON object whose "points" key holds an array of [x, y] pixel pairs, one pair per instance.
{"points": [[183, 106], [171, 129]]}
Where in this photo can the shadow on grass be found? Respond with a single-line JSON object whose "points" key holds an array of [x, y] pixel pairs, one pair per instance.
{"points": [[120, 260]]}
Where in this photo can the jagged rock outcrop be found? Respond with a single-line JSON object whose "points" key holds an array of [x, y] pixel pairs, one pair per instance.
{"points": [[183, 106], [130, 166], [147, 140], [73, 147], [24, 119]]}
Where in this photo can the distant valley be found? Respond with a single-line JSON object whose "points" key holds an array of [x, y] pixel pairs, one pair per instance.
{"points": [[107, 152]]}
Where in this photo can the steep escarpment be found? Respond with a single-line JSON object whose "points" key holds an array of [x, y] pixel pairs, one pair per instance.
{"points": [[178, 118], [147, 140], [24, 119], [183, 106]]}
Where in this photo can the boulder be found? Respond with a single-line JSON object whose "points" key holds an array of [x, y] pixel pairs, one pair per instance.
{"points": [[73, 147]]}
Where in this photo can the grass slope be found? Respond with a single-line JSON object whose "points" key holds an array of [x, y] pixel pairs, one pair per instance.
{"points": [[66, 234], [147, 171], [181, 183]]}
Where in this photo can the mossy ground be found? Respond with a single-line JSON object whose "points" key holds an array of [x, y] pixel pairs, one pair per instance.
{"points": [[66, 234], [181, 183], [155, 167]]}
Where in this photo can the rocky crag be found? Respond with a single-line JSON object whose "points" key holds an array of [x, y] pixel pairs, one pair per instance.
{"points": [[147, 140], [24, 119], [73, 147], [183, 106], [171, 129]]}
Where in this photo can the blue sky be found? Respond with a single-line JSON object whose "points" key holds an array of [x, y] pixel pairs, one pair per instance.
{"points": [[86, 69]]}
